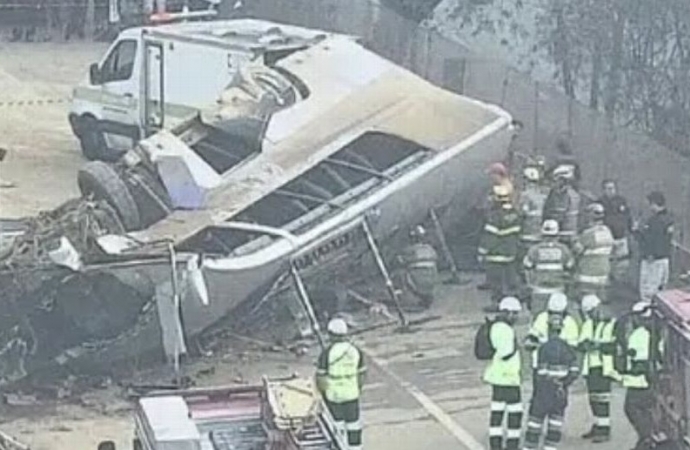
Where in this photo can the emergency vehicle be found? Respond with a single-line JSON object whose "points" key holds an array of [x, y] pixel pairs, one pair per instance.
{"points": [[278, 414]]}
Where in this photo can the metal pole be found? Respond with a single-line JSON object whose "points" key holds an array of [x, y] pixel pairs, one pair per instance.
{"points": [[535, 144], [384, 271], [176, 305], [444, 246], [306, 303]]}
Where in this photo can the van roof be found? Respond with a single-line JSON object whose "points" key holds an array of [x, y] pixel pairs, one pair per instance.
{"points": [[248, 34], [676, 304]]}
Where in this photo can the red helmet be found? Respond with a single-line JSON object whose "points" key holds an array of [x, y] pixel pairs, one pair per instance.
{"points": [[498, 168]]}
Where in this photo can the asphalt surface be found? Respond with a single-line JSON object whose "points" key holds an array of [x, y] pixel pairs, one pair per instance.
{"points": [[424, 388]]}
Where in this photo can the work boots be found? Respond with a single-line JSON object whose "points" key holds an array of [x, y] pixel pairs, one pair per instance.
{"points": [[597, 435]]}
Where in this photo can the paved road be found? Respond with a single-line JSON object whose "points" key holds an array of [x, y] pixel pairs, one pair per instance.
{"points": [[424, 389]]}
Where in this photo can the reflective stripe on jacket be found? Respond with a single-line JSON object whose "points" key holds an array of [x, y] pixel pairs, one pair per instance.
{"points": [[531, 205], [540, 330], [501, 235], [547, 265], [504, 368], [600, 335], [638, 359], [594, 247]]}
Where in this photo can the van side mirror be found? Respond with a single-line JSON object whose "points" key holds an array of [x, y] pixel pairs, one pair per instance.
{"points": [[106, 445], [94, 74]]}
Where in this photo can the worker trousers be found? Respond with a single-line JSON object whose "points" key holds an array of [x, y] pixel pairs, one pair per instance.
{"points": [[638, 409], [599, 391], [505, 400], [545, 408], [502, 279], [346, 416], [598, 289], [653, 277]]}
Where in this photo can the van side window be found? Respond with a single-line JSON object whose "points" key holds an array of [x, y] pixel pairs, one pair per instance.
{"points": [[119, 64]]}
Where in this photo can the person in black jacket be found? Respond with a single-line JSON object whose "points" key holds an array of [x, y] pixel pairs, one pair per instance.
{"points": [[654, 238], [557, 369], [618, 218]]}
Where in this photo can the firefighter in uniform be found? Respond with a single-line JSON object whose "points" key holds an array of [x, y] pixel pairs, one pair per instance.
{"points": [[498, 246], [538, 334], [531, 205], [597, 345], [503, 375], [339, 377], [547, 266], [556, 371], [563, 204], [639, 399], [420, 267], [593, 249]]}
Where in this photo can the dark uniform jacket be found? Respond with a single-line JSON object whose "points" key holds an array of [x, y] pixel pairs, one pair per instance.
{"points": [[655, 236], [500, 238], [616, 215], [558, 368]]}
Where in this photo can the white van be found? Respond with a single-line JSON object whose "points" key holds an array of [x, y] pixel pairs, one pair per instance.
{"points": [[156, 77]]}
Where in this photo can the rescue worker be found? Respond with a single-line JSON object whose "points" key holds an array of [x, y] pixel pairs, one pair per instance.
{"points": [[619, 220], [339, 378], [503, 375], [655, 238], [556, 371], [593, 248], [566, 159], [597, 345], [639, 399], [547, 267], [500, 176], [531, 205], [538, 334], [563, 204], [498, 246], [419, 263]]}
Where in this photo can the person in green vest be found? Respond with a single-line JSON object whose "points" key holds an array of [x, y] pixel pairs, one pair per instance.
{"points": [[639, 398], [339, 378], [503, 375], [597, 344], [538, 334]]}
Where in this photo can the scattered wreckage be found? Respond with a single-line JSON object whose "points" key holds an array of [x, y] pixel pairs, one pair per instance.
{"points": [[286, 414], [304, 163]]}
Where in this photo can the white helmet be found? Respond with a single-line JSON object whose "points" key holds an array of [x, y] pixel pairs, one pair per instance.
{"points": [[590, 302], [558, 303], [531, 173], [642, 308], [337, 327], [563, 171], [510, 304], [549, 228]]}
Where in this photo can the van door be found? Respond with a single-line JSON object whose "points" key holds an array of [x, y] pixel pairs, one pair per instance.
{"points": [[119, 89], [153, 98]]}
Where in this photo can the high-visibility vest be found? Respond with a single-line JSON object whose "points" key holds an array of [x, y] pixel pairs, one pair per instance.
{"points": [[502, 372], [547, 265], [601, 333], [639, 340], [570, 332], [342, 377], [594, 245]]}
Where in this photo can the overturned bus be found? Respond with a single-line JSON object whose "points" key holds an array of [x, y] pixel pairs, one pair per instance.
{"points": [[302, 166]]}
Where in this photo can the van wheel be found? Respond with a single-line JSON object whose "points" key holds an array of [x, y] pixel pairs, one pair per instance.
{"points": [[102, 181], [92, 141]]}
